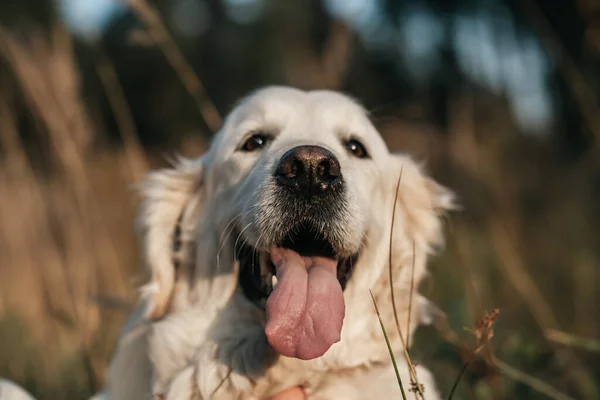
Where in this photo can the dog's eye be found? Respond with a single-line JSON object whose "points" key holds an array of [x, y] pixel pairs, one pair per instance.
{"points": [[357, 149], [255, 142]]}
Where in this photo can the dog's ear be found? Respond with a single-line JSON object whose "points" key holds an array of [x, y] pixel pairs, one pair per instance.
{"points": [[424, 202], [171, 199]]}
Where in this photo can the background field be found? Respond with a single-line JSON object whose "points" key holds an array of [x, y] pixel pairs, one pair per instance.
{"points": [[499, 98]]}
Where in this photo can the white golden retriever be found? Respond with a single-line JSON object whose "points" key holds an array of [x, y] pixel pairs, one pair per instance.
{"points": [[262, 253]]}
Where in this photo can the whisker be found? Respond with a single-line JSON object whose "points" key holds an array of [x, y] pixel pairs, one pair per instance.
{"points": [[222, 240], [254, 250], [240, 215], [238, 238]]}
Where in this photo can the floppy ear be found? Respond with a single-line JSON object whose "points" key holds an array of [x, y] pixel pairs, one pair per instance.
{"points": [[171, 199], [424, 202]]}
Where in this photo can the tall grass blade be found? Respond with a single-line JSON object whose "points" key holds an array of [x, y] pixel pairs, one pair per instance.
{"points": [[389, 346]]}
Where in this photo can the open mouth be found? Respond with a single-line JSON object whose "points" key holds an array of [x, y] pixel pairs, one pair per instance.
{"points": [[299, 283], [257, 272]]}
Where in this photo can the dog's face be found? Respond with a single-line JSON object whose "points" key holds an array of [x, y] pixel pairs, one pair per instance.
{"points": [[303, 166], [302, 179], [301, 161]]}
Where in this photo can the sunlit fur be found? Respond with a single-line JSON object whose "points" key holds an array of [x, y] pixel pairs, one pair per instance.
{"points": [[194, 331]]}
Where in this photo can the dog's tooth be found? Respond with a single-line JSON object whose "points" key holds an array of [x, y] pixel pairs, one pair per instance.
{"points": [[273, 281]]}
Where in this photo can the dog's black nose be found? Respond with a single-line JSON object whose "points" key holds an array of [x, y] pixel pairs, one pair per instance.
{"points": [[311, 170]]}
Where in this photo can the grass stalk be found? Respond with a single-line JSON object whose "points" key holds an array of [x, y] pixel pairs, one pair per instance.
{"points": [[413, 373], [389, 346]]}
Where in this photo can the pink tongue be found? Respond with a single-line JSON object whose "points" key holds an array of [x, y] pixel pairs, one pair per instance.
{"points": [[306, 310]]}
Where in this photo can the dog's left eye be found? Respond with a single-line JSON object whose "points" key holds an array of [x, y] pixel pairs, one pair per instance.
{"points": [[255, 142], [357, 149]]}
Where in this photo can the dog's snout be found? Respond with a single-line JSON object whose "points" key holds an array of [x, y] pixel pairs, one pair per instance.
{"points": [[311, 170]]}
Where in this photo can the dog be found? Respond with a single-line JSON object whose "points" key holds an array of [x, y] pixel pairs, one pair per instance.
{"points": [[262, 252]]}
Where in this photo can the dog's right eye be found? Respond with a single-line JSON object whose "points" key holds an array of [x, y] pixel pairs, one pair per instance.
{"points": [[255, 142]]}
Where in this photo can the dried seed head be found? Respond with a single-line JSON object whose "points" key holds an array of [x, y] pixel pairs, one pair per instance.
{"points": [[416, 388], [484, 329]]}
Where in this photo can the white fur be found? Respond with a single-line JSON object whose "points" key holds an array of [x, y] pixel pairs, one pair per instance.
{"points": [[11, 391], [194, 331]]}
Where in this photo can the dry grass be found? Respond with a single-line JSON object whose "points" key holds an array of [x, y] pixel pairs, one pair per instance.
{"points": [[64, 243], [160, 36]]}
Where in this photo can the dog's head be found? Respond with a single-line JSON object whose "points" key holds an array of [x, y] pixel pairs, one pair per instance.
{"points": [[296, 189]]}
